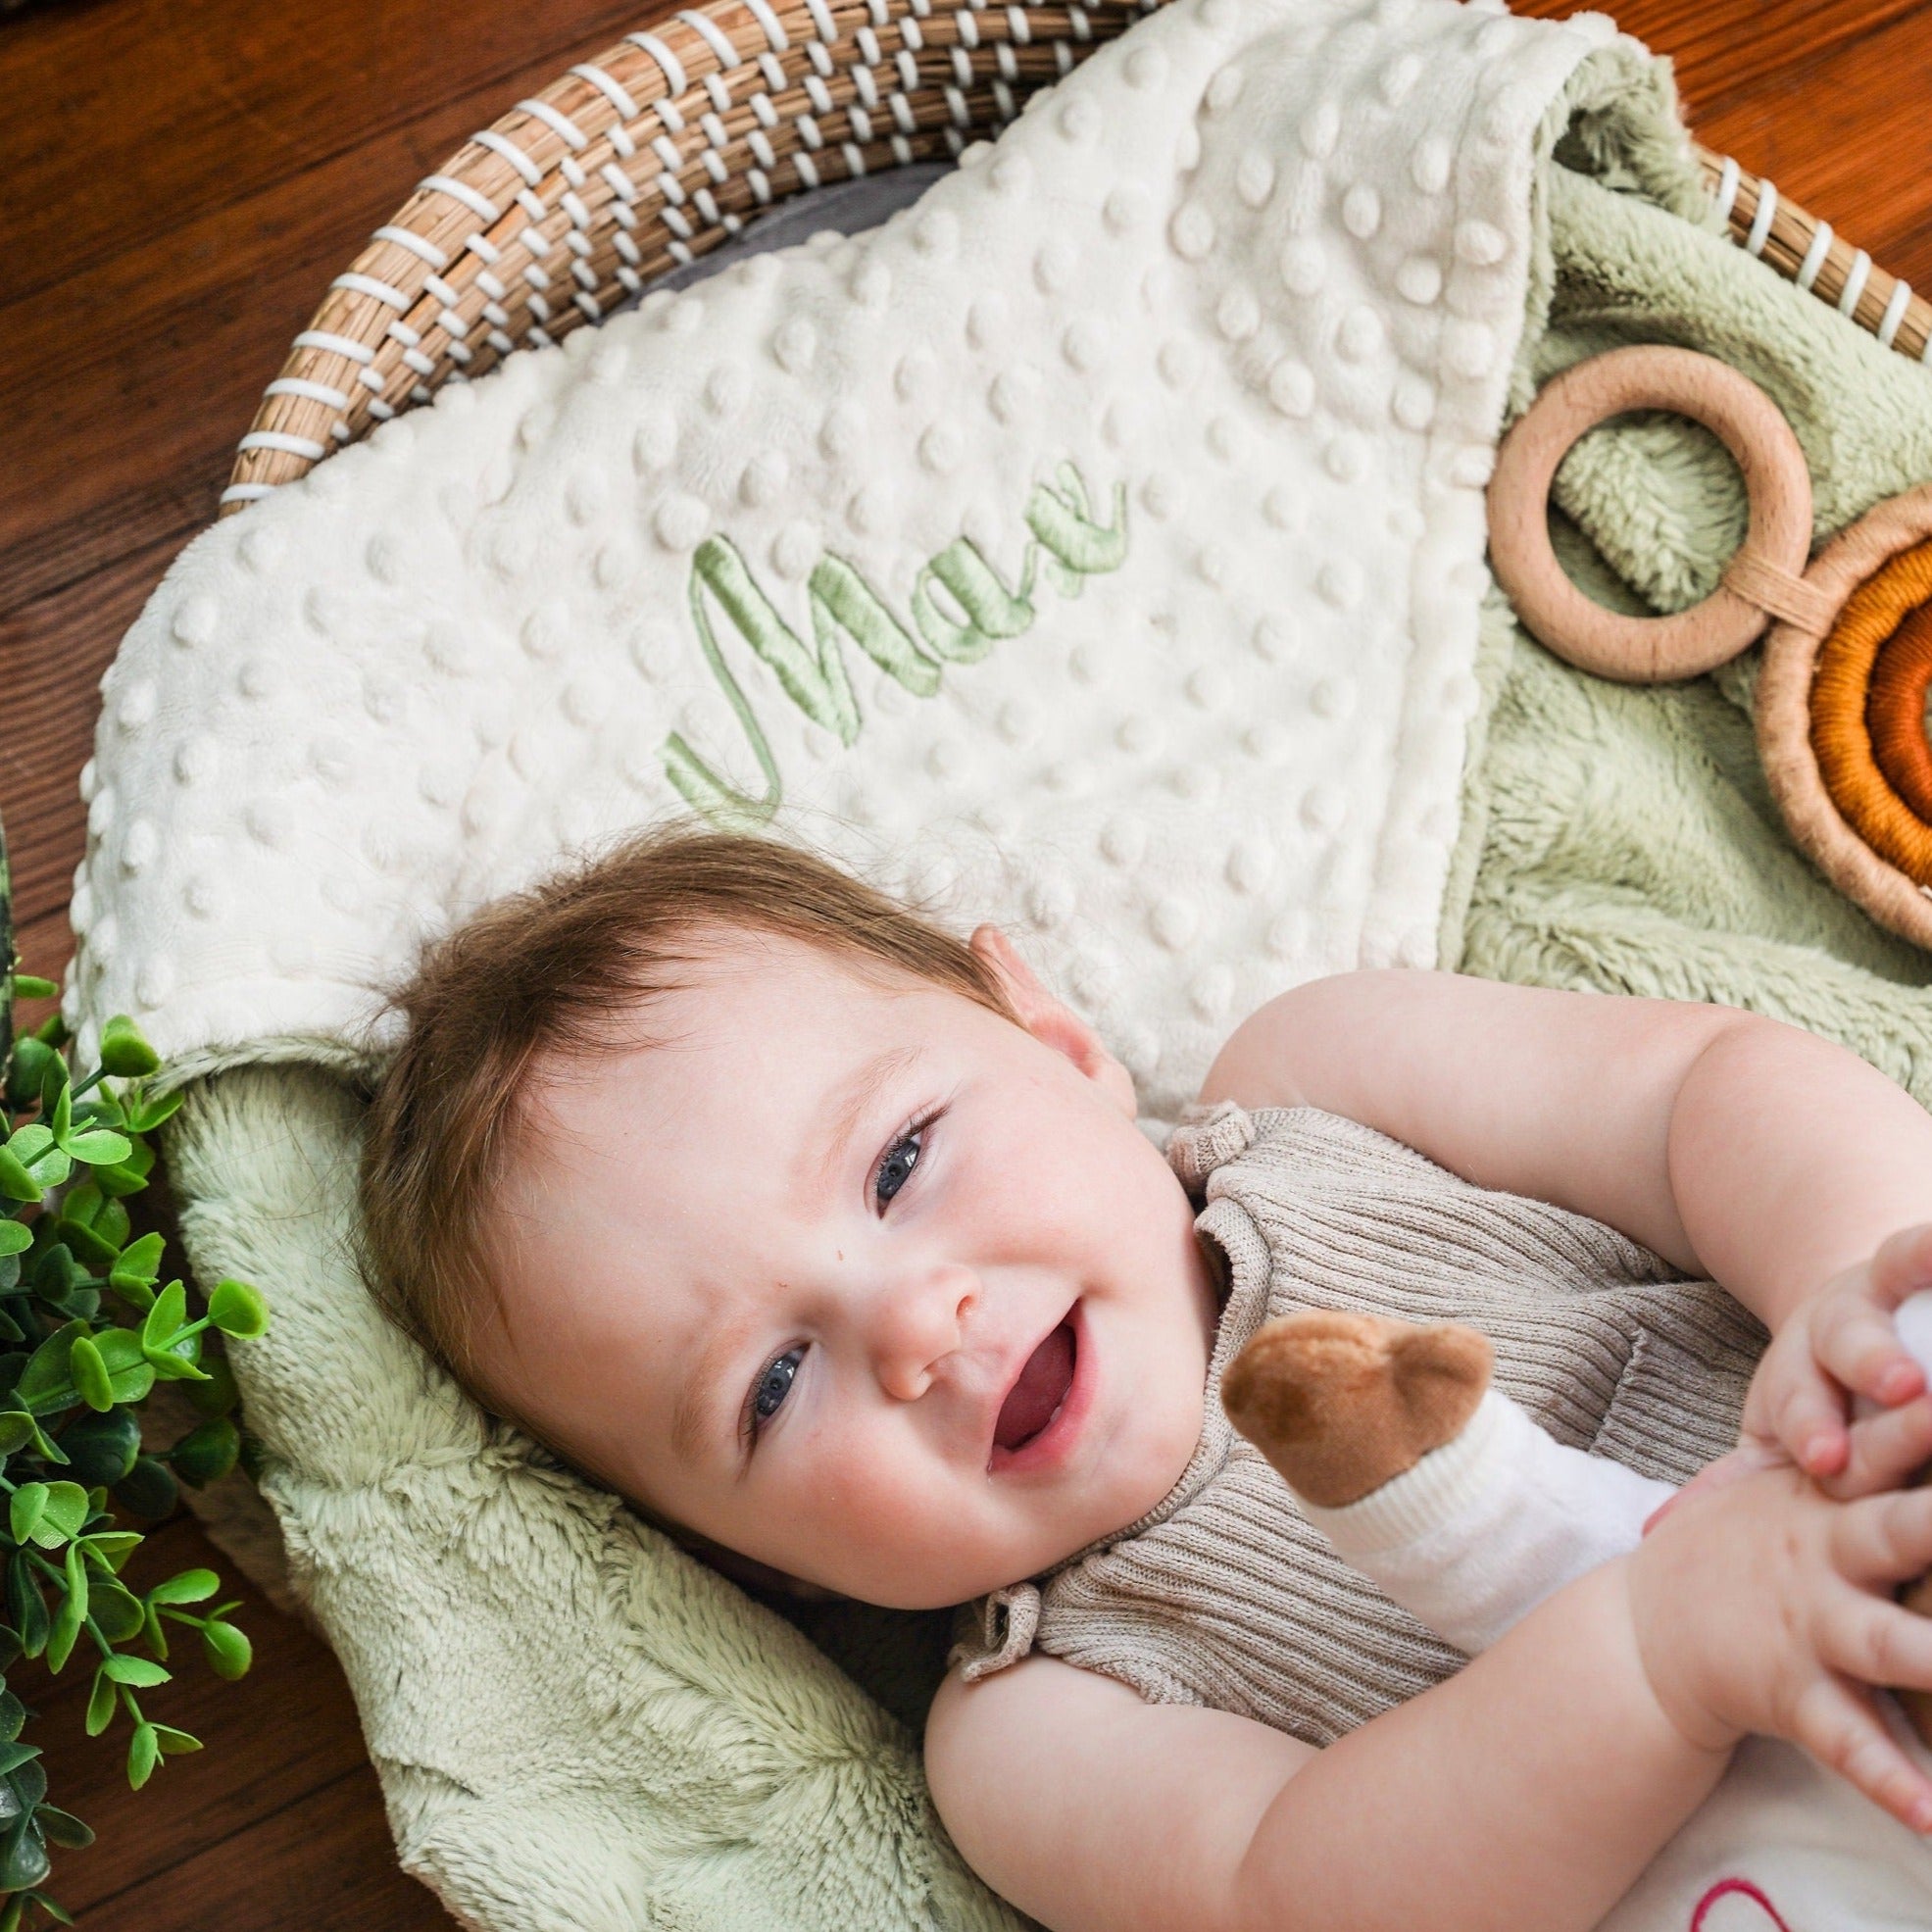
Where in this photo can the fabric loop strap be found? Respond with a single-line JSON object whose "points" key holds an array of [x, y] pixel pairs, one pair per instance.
{"points": [[1784, 595]]}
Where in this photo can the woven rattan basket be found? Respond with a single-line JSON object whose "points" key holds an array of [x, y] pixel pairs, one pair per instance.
{"points": [[661, 148]]}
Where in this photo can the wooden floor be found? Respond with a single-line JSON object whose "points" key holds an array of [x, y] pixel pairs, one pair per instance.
{"points": [[177, 185]]}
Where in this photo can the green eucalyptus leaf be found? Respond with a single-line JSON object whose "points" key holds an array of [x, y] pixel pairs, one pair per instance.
{"points": [[102, 1703], [144, 1754], [89, 1374], [190, 1586], [218, 1395], [136, 1671], [16, 1237], [98, 1147], [111, 1548], [23, 1861], [9, 1330], [208, 1453], [45, 1380], [29, 1143], [64, 1514], [63, 1634], [166, 1319], [148, 1489], [26, 1509], [10, 1805], [17, 1179], [144, 1114], [47, 1905], [28, 1785], [227, 1650], [64, 1829], [13, 1754], [10, 1645], [44, 1447], [29, 1607], [115, 1609], [30, 986], [101, 1447], [12, 1715], [60, 1121], [125, 1053], [236, 1309], [174, 1743], [26, 1070]]}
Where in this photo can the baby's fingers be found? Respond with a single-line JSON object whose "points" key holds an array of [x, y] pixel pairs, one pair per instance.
{"points": [[1857, 1342], [1887, 1450], [1801, 1409], [1884, 1539], [1876, 1640], [1839, 1728]]}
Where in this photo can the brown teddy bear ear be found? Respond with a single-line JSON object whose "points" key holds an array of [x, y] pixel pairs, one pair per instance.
{"points": [[1440, 1375]]}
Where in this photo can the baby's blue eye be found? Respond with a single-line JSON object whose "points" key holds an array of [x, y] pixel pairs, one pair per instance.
{"points": [[772, 1387], [897, 1167]]}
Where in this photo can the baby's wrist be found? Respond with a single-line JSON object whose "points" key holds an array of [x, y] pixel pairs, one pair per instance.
{"points": [[1668, 1697]]}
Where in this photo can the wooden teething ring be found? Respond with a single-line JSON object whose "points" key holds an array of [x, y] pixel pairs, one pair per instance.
{"points": [[1840, 695], [1644, 650]]}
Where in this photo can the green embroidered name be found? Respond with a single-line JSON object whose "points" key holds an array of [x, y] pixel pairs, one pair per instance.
{"points": [[1067, 539]]}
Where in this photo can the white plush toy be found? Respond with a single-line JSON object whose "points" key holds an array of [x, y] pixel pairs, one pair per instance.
{"points": [[1443, 1492]]}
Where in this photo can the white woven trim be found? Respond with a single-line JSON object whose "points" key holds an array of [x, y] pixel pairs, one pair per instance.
{"points": [[1761, 223], [1856, 277], [512, 153], [609, 87], [435, 285], [1814, 257], [246, 492], [276, 440], [1894, 314], [369, 286], [424, 251], [479, 205], [708, 31], [557, 123], [1725, 194], [822, 23], [335, 345], [770, 23], [315, 392]]}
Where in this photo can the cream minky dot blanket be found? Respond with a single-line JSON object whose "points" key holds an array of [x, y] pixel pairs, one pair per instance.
{"points": [[1096, 549]]}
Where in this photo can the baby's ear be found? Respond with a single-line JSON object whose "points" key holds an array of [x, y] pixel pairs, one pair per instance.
{"points": [[1051, 1021]]}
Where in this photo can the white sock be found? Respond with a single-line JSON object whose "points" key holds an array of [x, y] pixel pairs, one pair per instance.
{"points": [[1481, 1530]]}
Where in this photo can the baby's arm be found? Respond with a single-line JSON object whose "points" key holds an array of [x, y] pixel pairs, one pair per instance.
{"points": [[1533, 1787], [1734, 1145]]}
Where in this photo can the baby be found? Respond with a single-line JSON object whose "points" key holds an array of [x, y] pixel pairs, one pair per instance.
{"points": [[834, 1245]]}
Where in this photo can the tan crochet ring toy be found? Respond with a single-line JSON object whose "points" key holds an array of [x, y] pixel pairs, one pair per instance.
{"points": [[1841, 696]]}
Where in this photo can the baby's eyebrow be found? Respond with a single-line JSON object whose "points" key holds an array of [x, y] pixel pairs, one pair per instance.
{"points": [[847, 1103]]}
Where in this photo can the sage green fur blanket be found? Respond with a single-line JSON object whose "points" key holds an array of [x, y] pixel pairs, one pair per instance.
{"points": [[718, 1772]]}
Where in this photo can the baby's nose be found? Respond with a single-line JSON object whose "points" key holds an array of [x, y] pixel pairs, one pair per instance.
{"points": [[918, 1324]]}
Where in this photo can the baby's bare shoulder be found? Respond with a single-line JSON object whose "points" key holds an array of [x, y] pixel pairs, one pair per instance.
{"points": [[1087, 1807]]}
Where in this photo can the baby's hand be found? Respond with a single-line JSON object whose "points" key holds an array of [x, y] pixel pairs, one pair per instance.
{"points": [[1763, 1606], [1840, 1344]]}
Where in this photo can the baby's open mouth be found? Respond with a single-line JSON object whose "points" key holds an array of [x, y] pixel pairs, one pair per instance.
{"points": [[1035, 1397]]}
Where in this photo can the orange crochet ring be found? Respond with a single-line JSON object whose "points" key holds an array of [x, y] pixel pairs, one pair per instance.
{"points": [[1848, 665]]}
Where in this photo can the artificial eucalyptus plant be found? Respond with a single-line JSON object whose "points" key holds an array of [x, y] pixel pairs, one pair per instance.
{"points": [[87, 1327]]}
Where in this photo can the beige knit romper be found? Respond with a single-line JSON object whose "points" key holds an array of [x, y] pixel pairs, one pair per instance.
{"points": [[1222, 1595]]}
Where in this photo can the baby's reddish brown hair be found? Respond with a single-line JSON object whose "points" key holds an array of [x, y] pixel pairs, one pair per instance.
{"points": [[558, 974]]}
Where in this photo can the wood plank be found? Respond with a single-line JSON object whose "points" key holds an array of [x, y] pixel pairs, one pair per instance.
{"points": [[186, 327], [1844, 134], [147, 115], [324, 1864], [1719, 49], [52, 654]]}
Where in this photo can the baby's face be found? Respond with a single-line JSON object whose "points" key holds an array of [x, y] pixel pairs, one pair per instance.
{"points": [[692, 1240]]}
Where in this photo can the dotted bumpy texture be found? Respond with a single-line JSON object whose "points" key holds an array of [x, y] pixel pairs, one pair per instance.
{"points": [[1095, 549]]}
